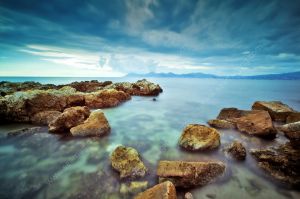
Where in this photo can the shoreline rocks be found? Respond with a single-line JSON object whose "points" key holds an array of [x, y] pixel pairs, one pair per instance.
{"points": [[199, 137], [126, 160], [165, 190], [189, 174], [237, 150], [291, 130]]}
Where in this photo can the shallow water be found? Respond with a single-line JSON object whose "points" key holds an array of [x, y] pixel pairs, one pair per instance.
{"points": [[49, 166]]}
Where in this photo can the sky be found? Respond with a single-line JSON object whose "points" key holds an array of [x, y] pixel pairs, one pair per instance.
{"points": [[116, 37]]}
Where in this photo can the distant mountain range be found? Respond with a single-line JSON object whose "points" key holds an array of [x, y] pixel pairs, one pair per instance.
{"points": [[282, 76]]}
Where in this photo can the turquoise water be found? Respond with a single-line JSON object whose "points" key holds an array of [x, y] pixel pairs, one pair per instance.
{"points": [[43, 165]]}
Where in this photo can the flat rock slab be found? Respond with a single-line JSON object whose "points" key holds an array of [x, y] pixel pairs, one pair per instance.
{"points": [[189, 174], [165, 190], [278, 110], [199, 137]]}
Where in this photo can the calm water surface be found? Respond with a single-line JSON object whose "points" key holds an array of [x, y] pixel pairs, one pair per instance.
{"points": [[50, 166]]}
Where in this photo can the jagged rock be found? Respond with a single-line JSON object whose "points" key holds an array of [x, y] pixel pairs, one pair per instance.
{"points": [[165, 190], [7, 88], [199, 137], [89, 86], [283, 163], [293, 117], [76, 99], [258, 123], [277, 110], [221, 124], [291, 130], [69, 118], [44, 117], [133, 187], [189, 174], [237, 150], [95, 125], [127, 162]]}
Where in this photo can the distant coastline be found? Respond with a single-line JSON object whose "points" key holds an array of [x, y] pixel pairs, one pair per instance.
{"points": [[281, 76]]}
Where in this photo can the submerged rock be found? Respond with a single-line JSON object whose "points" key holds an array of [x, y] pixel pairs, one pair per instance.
{"points": [[95, 125], [257, 123], [283, 162], [199, 137], [133, 187], [127, 162], [165, 190], [278, 110], [69, 118], [293, 117], [291, 130], [221, 124], [44, 117], [237, 150], [189, 174]]}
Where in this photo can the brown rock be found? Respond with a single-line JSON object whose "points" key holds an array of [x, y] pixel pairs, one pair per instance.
{"points": [[76, 100], [221, 124], [231, 113], [277, 110], [95, 125], [291, 130], [293, 117], [165, 190], [283, 163], [126, 160], [44, 117], [69, 118], [199, 137], [258, 123], [237, 150], [189, 174]]}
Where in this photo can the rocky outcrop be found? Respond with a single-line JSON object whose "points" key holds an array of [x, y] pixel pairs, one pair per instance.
{"points": [[257, 123], [189, 174], [44, 117], [221, 124], [199, 137], [278, 110], [283, 163], [237, 150], [89, 86], [165, 190], [126, 160], [95, 125], [291, 130], [69, 118], [293, 117]]}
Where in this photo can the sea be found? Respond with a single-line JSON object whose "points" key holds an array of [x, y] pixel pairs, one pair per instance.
{"points": [[45, 165]]}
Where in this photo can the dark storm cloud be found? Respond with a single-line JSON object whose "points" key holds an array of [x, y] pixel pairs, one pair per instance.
{"points": [[232, 33]]}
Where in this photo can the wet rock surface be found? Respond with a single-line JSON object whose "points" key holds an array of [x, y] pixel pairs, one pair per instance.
{"points": [[237, 150], [293, 117], [199, 137], [165, 190], [291, 130], [95, 125], [283, 162], [278, 110], [189, 174], [126, 160], [221, 124]]}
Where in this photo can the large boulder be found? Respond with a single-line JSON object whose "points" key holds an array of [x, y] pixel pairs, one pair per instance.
{"points": [[293, 117], [229, 114], [189, 174], [291, 130], [278, 110], [221, 124], [237, 150], [44, 117], [165, 190], [95, 125], [258, 123], [199, 137], [126, 160], [283, 162], [69, 118]]}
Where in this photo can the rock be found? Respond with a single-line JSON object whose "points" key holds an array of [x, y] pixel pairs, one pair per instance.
{"points": [[277, 110], [237, 150], [95, 125], [126, 160], [69, 118], [89, 86], [283, 162], [221, 124], [291, 130], [257, 123], [293, 117], [189, 174], [199, 137], [231, 113], [7, 88], [44, 117], [188, 195], [76, 99], [133, 187], [165, 190]]}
